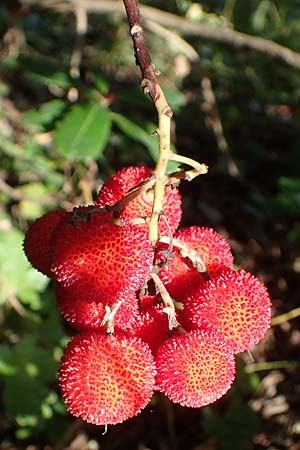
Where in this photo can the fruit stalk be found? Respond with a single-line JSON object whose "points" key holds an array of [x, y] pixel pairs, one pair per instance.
{"points": [[151, 86]]}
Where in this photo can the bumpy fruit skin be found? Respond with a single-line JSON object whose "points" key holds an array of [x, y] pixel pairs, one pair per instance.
{"points": [[37, 240], [85, 316], [153, 327], [194, 369], [178, 276], [106, 379], [98, 260], [122, 181], [235, 304], [181, 277], [212, 247]]}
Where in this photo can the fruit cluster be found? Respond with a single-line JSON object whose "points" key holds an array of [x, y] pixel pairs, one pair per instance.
{"points": [[167, 317]]}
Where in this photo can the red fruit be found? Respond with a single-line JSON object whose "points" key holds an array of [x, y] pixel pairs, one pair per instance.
{"points": [[98, 260], [147, 300], [194, 369], [180, 278], [84, 315], [235, 304], [121, 182], [106, 379], [37, 240], [153, 327], [147, 295]]}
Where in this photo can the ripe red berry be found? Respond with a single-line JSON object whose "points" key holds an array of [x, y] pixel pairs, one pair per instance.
{"points": [[106, 379], [180, 277], [84, 315], [125, 179], [235, 304], [99, 260], [194, 369], [153, 327], [37, 240]]}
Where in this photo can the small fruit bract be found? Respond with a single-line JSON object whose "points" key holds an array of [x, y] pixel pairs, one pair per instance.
{"points": [[106, 379], [194, 369]]}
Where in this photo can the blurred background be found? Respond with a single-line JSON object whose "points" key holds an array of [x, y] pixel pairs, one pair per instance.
{"points": [[71, 114]]}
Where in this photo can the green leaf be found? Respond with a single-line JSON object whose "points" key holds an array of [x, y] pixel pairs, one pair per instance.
{"points": [[7, 367], [45, 115], [23, 433], [101, 81], [31, 209], [33, 360], [25, 282], [23, 396], [175, 98], [235, 429], [31, 205], [136, 133], [45, 71], [83, 132], [289, 184]]}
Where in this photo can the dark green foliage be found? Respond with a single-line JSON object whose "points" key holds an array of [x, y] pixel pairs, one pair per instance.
{"points": [[235, 428], [65, 126]]}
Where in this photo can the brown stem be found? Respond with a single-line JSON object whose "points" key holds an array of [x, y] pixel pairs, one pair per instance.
{"points": [[151, 87], [142, 56], [169, 307]]}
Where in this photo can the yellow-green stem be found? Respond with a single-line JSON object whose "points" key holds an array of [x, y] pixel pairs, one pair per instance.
{"points": [[198, 168], [270, 365], [286, 317], [165, 153]]}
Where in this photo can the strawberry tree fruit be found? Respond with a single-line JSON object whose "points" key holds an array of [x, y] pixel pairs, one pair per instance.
{"points": [[84, 316], [98, 260], [104, 265], [106, 379], [128, 178], [152, 327], [235, 304], [194, 369], [200, 245], [37, 240]]}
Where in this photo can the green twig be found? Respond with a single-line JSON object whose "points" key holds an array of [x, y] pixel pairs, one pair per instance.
{"points": [[286, 317], [270, 365]]}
